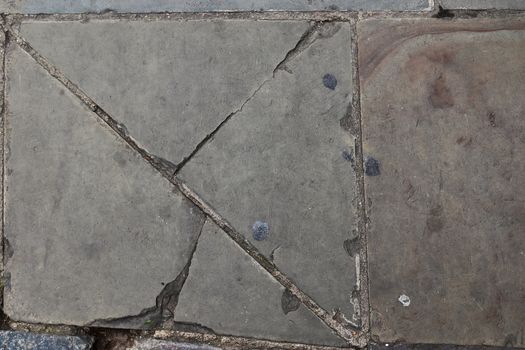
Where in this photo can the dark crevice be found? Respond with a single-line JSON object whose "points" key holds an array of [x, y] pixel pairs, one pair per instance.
{"points": [[161, 315], [443, 13], [319, 30]]}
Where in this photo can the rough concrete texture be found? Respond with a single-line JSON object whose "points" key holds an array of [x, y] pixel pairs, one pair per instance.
{"points": [[170, 83], [442, 109], [229, 293], [78, 6], [33, 341], [89, 223], [281, 170], [155, 344], [482, 4]]}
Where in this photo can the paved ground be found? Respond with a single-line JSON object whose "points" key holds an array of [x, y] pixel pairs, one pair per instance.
{"points": [[263, 180]]}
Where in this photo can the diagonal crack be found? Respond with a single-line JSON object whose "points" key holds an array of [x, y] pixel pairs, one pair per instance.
{"points": [[165, 303], [347, 331], [205, 140], [314, 31]]}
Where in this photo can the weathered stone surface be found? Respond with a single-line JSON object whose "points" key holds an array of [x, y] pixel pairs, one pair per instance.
{"points": [[433, 347], [281, 170], [34, 341], [64, 6], [155, 344], [169, 82], [483, 4], [94, 231], [442, 108], [231, 294]]}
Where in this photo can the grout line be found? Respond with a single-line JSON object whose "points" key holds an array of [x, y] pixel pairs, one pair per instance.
{"points": [[347, 331], [361, 193], [3, 116]]}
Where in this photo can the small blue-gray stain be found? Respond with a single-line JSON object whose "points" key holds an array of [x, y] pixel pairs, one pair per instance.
{"points": [[260, 230], [348, 156], [372, 167], [329, 81]]}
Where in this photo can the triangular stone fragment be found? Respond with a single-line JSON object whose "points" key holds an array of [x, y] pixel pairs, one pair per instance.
{"points": [[169, 82], [92, 230], [227, 291]]}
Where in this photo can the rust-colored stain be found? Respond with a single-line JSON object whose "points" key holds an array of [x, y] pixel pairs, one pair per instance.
{"points": [[379, 38]]}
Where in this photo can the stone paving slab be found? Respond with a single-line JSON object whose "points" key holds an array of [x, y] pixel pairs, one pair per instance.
{"points": [[229, 293], [33, 341], [442, 109], [79, 6], [281, 171], [483, 4], [89, 223]]}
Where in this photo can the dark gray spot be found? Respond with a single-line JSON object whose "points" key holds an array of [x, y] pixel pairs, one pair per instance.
{"points": [[435, 219], [348, 156], [372, 167], [351, 246], [8, 249], [260, 230], [120, 159], [289, 302], [329, 81], [492, 119]]}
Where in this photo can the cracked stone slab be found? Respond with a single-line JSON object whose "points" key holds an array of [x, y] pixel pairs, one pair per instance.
{"points": [[93, 231], [442, 109], [483, 4], [169, 82], [281, 170], [228, 292], [79, 6], [35, 341]]}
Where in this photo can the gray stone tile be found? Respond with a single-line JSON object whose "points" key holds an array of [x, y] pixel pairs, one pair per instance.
{"points": [[483, 4], [281, 170], [229, 293], [33, 341], [442, 106], [169, 82], [155, 344], [94, 231], [65, 6]]}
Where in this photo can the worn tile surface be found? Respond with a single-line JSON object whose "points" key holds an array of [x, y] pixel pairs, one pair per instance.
{"points": [[65, 6], [281, 170], [442, 108], [88, 221], [229, 293], [483, 4], [169, 82], [34, 341]]}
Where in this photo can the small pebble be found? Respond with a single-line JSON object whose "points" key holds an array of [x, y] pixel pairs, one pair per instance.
{"points": [[404, 300]]}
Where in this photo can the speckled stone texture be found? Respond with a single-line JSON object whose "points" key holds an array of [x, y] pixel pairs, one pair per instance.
{"points": [[442, 108], [10, 340]]}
